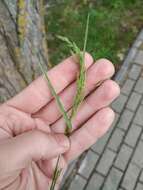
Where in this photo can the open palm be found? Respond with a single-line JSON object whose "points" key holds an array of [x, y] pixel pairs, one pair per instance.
{"points": [[32, 127]]}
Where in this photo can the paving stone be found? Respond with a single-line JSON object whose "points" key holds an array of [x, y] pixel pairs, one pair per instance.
{"points": [[139, 85], [115, 121], [138, 155], [141, 46], [133, 135], [128, 86], [70, 168], [88, 164], [113, 180], [142, 101], [139, 186], [137, 43], [142, 137], [141, 177], [135, 72], [95, 182], [125, 119], [139, 58], [119, 103], [98, 147], [106, 162], [130, 177], [116, 139], [140, 37], [139, 116], [123, 157], [129, 58], [77, 183], [134, 101]]}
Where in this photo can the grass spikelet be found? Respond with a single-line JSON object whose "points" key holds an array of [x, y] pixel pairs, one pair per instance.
{"points": [[82, 72]]}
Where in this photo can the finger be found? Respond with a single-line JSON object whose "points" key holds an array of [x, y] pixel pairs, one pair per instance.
{"points": [[97, 100], [91, 131], [37, 94], [33, 145], [99, 71]]}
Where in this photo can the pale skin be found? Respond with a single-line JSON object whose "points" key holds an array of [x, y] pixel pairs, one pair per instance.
{"points": [[32, 128]]}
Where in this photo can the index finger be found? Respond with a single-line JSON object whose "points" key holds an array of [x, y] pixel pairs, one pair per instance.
{"points": [[37, 94]]}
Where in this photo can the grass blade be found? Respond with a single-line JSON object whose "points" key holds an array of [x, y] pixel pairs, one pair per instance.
{"points": [[61, 107]]}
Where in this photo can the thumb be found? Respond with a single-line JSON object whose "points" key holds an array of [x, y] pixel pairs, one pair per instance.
{"points": [[16, 153]]}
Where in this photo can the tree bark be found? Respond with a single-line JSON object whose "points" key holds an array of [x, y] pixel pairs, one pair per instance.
{"points": [[19, 57]]}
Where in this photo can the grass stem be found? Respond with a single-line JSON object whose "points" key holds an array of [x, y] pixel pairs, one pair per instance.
{"points": [[79, 93]]}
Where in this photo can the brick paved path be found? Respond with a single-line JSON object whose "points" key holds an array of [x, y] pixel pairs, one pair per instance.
{"points": [[115, 162]]}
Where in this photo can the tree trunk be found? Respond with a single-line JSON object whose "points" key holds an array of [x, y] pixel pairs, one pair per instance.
{"points": [[22, 43]]}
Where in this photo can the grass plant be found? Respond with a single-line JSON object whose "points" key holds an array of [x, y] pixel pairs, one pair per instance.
{"points": [[80, 55]]}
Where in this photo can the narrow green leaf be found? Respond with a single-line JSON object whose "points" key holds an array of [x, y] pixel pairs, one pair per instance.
{"points": [[61, 107]]}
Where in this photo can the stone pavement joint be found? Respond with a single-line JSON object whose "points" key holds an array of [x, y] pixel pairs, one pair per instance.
{"points": [[106, 162], [135, 72], [123, 157], [95, 182], [133, 135], [113, 179], [116, 139], [128, 86], [115, 162], [133, 101], [130, 177]]}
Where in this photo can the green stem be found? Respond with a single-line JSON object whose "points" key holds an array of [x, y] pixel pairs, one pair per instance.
{"points": [[56, 174], [86, 33]]}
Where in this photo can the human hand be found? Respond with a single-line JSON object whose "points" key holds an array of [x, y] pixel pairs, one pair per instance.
{"points": [[32, 128]]}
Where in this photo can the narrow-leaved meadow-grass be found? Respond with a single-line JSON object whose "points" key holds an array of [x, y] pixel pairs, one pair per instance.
{"points": [[79, 96]]}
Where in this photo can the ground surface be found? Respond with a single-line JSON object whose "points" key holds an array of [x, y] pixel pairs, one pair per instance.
{"points": [[115, 162], [113, 26]]}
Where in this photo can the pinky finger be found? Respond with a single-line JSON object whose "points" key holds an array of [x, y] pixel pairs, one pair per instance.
{"points": [[90, 132]]}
